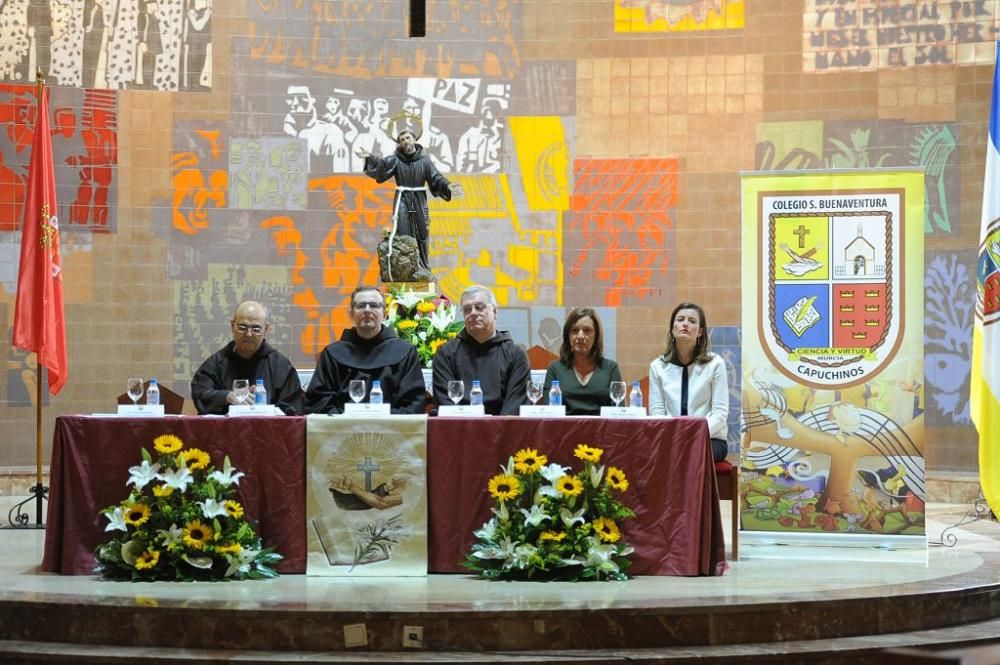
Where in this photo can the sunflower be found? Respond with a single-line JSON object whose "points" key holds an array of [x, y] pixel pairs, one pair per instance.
{"points": [[554, 536], [607, 530], [196, 458], [504, 487], [437, 344], [234, 509], [162, 490], [588, 454], [167, 443], [569, 486], [197, 535], [528, 460], [136, 514], [426, 306], [406, 324], [616, 479], [229, 548], [147, 559]]}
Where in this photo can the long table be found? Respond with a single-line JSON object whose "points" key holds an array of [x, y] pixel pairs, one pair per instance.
{"points": [[677, 529]]}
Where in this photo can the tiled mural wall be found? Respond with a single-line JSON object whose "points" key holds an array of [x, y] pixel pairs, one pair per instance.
{"points": [[206, 153]]}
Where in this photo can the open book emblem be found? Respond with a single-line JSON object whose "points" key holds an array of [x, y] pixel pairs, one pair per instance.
{"points": [[831, 287]]}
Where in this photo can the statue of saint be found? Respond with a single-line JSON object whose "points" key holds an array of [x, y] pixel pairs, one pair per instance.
{"points": [[415, 175]]}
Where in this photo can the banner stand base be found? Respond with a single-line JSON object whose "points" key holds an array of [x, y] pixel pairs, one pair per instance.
{"points": [[860, 547]]}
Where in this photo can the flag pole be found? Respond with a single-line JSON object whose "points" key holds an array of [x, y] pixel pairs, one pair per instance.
{"points": [[38, 490], [17, 518]]}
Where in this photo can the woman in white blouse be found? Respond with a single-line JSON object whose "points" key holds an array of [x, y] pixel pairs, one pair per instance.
{"points": [[690, 380]]}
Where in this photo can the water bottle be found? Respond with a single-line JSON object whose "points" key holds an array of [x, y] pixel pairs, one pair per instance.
{"points": [[555, 394], [260, 393], [476, 394], [153, 393], [376, 395], [635, 397]]}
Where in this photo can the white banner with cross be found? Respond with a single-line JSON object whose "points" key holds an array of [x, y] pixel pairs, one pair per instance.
{"points": [[366, 495]]}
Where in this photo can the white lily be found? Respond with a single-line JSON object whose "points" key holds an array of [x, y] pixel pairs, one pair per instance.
{"points": [[171, 536], [442, 317], [142, 475], [211, 508], [502, 512], [535, 516], [409, 299], [547, 490], [596, 474], [488, 531], [569, 518], [553, 472], [504, 552], [116, 520], [179, 479], [599, 557], [241, 562], [509, 469], [228, 476]]}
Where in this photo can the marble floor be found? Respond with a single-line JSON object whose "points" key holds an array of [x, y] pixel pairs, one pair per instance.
{"points": [[765, 575]]}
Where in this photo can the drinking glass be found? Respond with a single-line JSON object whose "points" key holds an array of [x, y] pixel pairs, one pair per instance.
{"points": [[534, 391], [135, 389], [356, 389], [617, 392], [241, 389], [456, 391]]}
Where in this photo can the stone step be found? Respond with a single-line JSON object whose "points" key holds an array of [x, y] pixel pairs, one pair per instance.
{"points": [[859, 650]]}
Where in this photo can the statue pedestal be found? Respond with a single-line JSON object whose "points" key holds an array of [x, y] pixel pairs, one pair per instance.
{"points": [[417, 287]]}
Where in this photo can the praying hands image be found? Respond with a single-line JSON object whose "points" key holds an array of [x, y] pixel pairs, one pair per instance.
{"points": [[386, 495]]}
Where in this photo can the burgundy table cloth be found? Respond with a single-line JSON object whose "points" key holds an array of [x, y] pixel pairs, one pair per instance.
{"points": [[677, 529], [90, 462]]}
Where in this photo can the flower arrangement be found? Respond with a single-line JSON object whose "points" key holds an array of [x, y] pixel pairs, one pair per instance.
{"points": [[182, 521], [425, 320], [550, 523]]}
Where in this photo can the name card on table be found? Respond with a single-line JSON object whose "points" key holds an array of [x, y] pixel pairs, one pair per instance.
{"points": [[241, 410], [543, 411], [623, 412], [140, 410], [378, 410], [461, 410]]}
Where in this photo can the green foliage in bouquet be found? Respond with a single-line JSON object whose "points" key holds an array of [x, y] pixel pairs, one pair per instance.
{"points": [[182, 521], [552, 524], [425, 320]]}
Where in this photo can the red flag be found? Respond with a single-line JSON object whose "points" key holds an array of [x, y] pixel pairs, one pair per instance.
{"points": [[39, 324]]}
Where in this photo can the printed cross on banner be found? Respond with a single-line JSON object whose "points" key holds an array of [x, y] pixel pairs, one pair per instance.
{"points": [[801, 232], [368, 467]]}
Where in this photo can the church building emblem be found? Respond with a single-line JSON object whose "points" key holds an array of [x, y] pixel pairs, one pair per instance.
{"points": [[830, 285]]}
